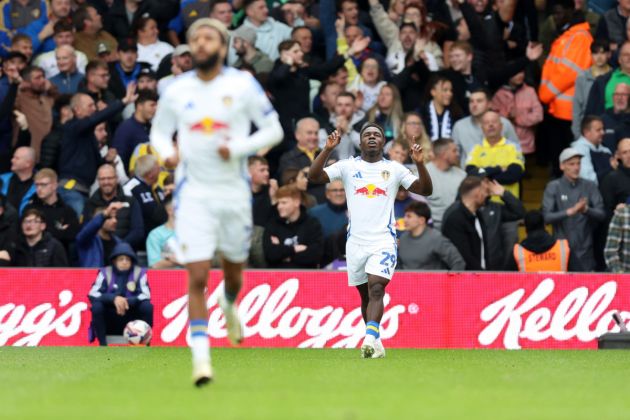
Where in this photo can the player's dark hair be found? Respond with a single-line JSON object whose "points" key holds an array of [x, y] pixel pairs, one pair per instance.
{"points": [[371, 124], [419, 209], [468, 184], [587, 121], [146, 95]]}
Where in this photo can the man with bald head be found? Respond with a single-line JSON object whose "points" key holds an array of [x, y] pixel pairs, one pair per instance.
{"points": [[80, 157], [617, 120], [17, 185], [68, 79], [304, 153]]}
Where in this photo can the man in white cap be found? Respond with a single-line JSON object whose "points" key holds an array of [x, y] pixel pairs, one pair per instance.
{"points": [[212, 109], [244, 44], [574, 207], [181, 62]]}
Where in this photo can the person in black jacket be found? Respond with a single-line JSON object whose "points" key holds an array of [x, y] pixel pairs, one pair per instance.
{"points": [[294, 239], [61, 221], [36, 247], [80, 157], [126, 70], [8, 232], [465, 227], [130, 224], [122, 14], [289, 86], [51, 144], [143, 187], [615, 186]]}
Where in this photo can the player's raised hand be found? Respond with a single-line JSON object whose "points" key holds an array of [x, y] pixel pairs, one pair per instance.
{"points": [[333, 140], [417, 153]]}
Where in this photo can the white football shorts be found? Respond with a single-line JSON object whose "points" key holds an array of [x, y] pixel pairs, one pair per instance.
{"points": [[208, 225], [378, 259]]}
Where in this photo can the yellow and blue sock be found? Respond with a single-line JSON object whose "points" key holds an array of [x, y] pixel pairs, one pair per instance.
{"points": [[199, 343], [373, 329]]}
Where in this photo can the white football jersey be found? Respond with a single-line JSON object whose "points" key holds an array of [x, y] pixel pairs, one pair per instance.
{"points": [[207, 115], [371, 190]]}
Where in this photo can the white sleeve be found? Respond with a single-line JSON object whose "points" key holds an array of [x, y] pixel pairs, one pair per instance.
{"points": [[262, 113], [405, 175], [163, 127], [335, 171]]}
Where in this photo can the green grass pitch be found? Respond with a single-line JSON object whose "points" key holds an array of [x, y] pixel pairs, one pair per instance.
{"points": [[154, 383]]}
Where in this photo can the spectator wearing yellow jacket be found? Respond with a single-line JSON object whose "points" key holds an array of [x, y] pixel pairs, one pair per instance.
{"points": [[500, 159]]}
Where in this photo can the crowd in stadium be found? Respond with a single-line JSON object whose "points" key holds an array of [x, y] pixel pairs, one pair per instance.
{"points": [[489, 88]]}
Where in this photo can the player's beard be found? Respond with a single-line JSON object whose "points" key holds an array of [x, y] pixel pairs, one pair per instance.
{"points": [[208, 63]]}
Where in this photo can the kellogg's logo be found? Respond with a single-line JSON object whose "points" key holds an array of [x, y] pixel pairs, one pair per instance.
{"points": [[270, 314]]}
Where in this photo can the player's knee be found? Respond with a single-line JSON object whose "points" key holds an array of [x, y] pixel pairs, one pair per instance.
{"points": [[377, 291]]}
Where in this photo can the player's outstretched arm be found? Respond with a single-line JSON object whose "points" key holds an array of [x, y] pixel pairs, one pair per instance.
{"points": [[316, 174], [422, 186]]}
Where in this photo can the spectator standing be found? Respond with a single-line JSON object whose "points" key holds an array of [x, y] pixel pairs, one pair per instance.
{"points": [[501, 160], [8, 232], [121, 15], [135, 130], [244, 41], [387, 111], [60, 11], [519, 103], [615, 186], [162, 243], [333, 213], [424, 248], [464, 227], [35, 100], [446, 177], [109, 155], [22, 44], [600, 53], [600, 97], [64, 35], [61, 221], [25, 17], [595, 163], [130, 225], [90, 33], [304, 153], [120, 294], [181, 62], [294, 239], [126, 70], [150, 49], [327, 95], [617, 120], [36, 247], [569, 54], [17, 185], [345, 119], [68, 80], [612, 26], [96, 84], [80, 158], [143, 187], [617, 250], [541, 252], [263, 189], [468, 132], [269, 32], [574, 207]]}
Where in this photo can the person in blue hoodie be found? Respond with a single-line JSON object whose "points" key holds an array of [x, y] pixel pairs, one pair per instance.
{"points": [[120, 294], [97, 238]]}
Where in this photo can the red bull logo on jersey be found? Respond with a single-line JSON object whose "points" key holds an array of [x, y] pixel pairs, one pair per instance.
{"points": [[370, 191], [209, 126]]}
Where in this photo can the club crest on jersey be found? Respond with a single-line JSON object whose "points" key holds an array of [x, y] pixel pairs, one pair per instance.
{"points": [[385, 175], [208, 126], [227, 101], [371, 191]]}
